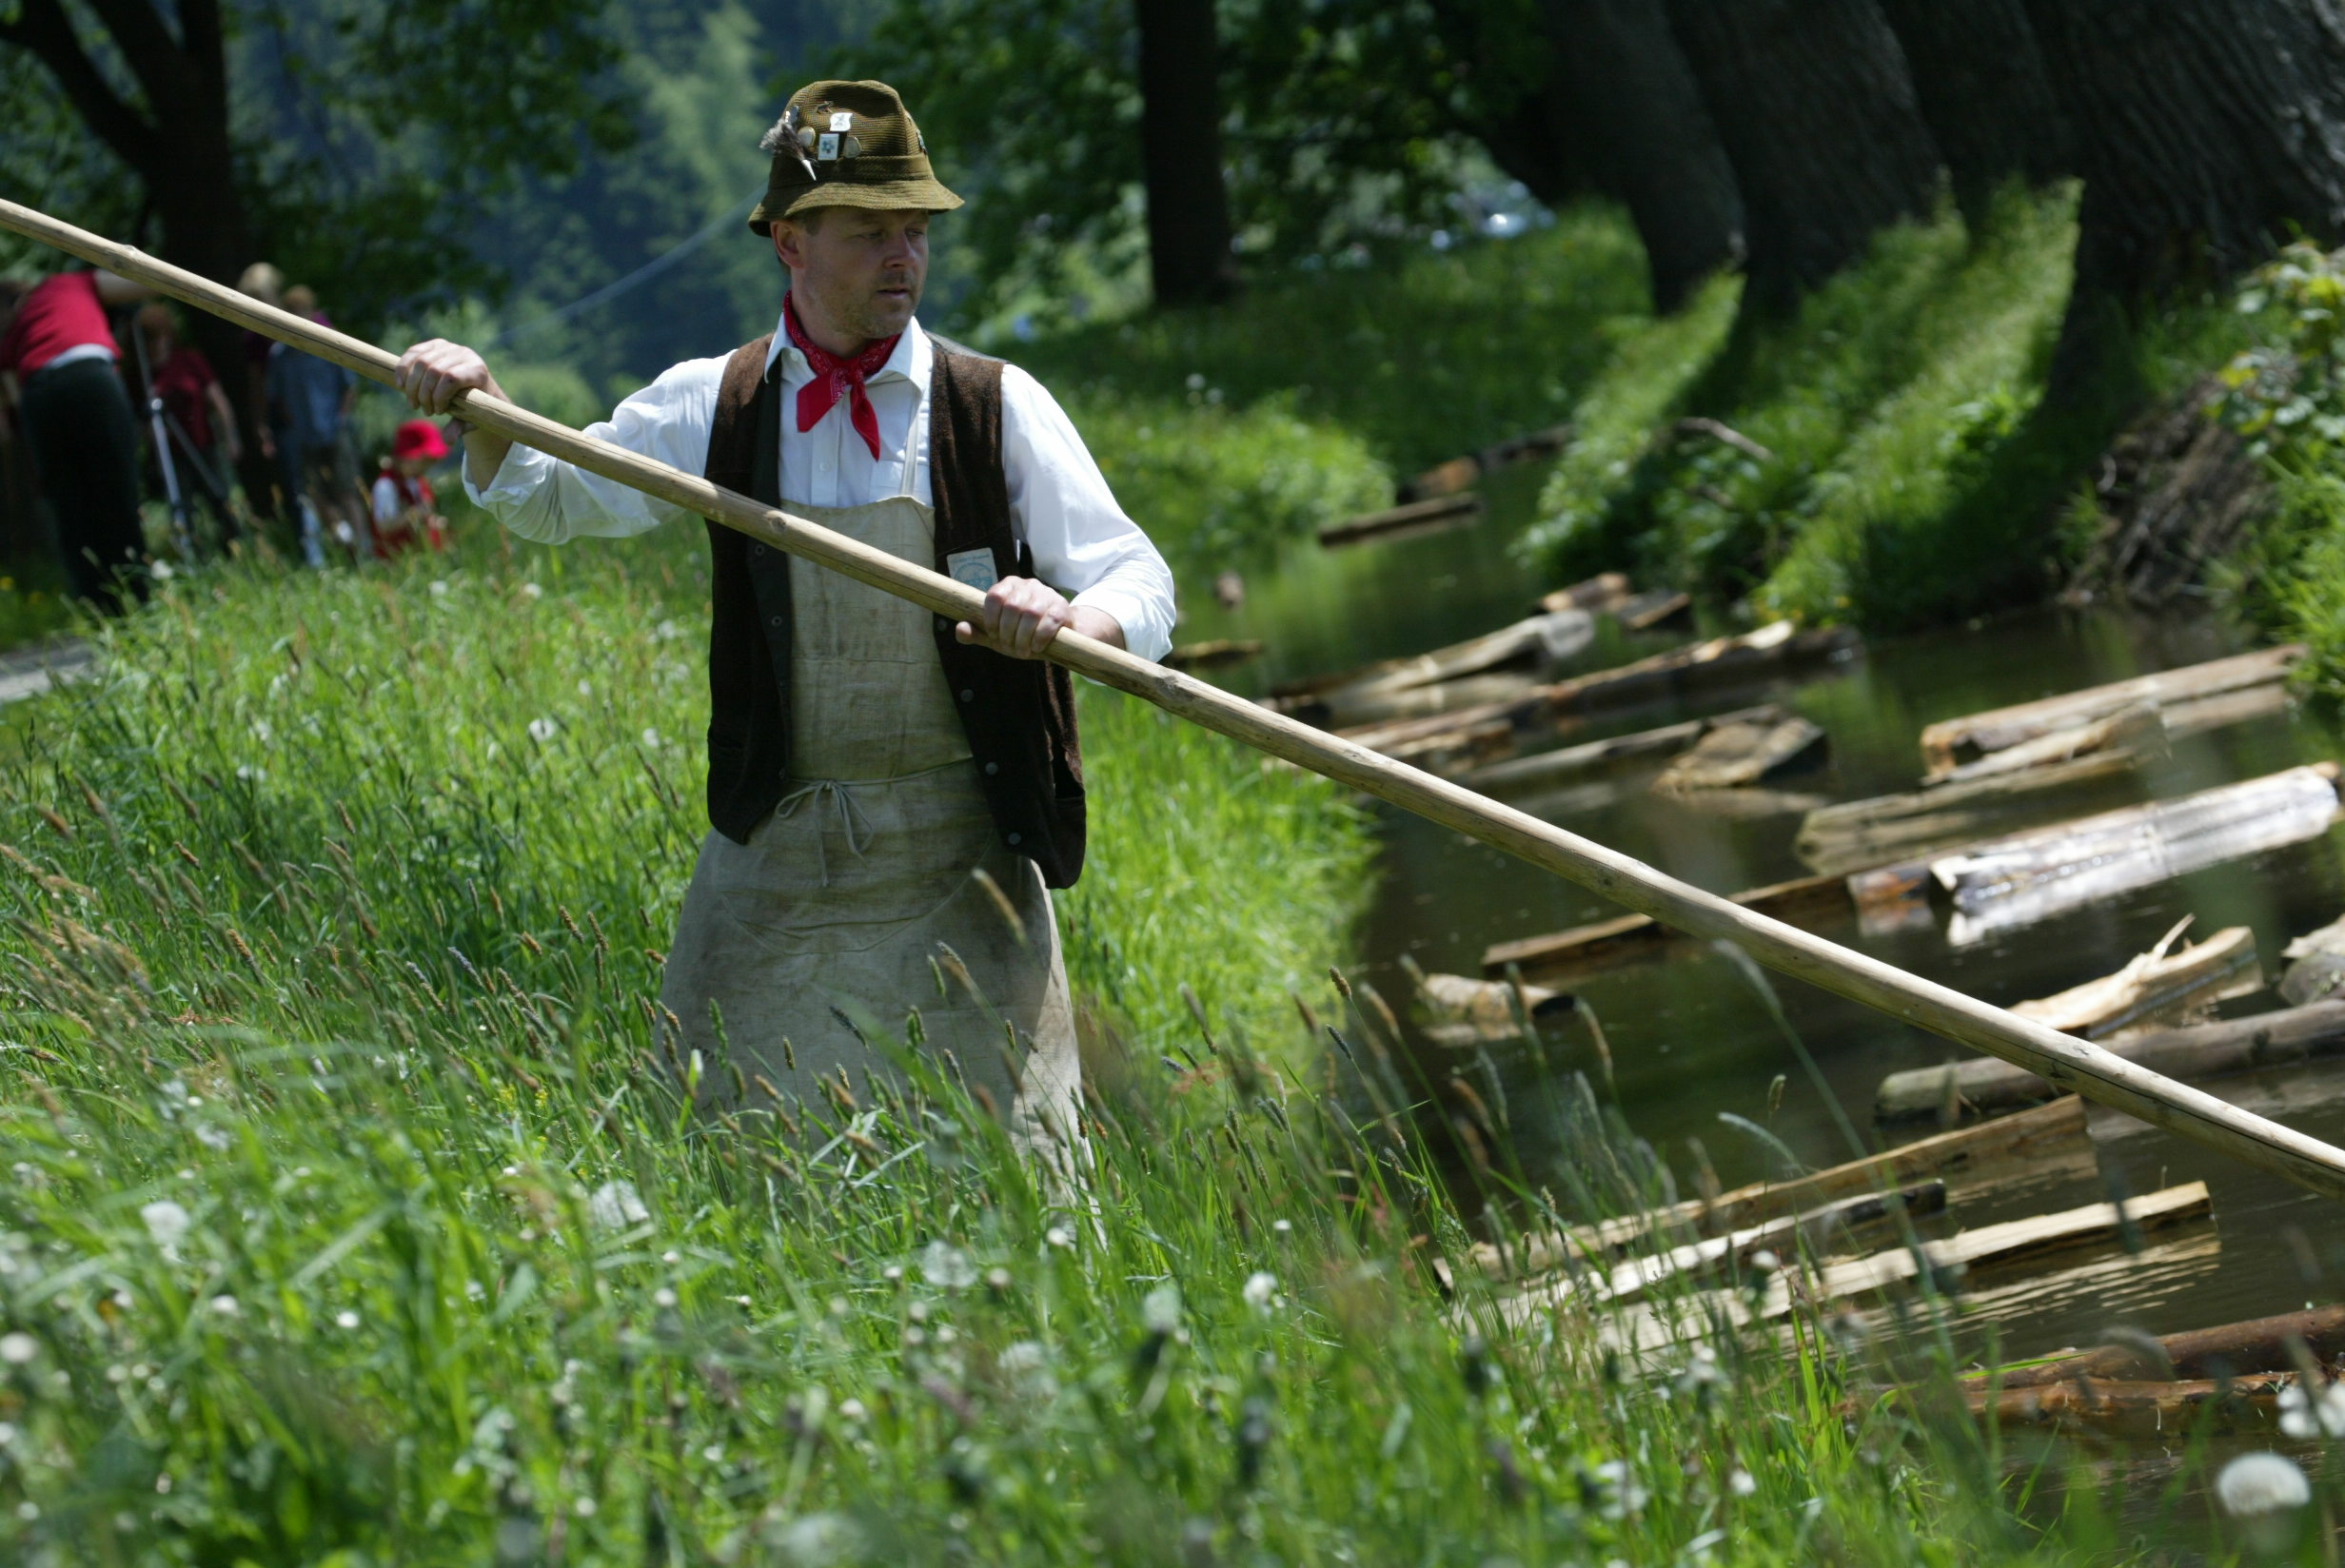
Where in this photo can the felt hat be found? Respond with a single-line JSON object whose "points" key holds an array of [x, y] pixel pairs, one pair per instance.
{"points": [[418, 439], [848, 143]]}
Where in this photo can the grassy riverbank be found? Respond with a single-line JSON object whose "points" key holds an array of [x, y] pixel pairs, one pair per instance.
{"points": [[352, 1213]]}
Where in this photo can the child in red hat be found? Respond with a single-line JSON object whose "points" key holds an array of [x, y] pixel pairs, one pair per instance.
{"points": [[405, 511]]}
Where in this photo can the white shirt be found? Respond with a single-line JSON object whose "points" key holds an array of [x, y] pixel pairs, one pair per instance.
{"points": [[1059, 502]]}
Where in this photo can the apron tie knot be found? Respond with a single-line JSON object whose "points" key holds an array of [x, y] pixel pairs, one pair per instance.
{"points": [[851, 818]]}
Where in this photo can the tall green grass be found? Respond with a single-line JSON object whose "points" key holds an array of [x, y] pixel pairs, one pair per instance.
{"points": [[356, 1217]]}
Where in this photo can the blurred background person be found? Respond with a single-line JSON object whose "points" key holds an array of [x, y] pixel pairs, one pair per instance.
{"points": [[199, 421], [58, 369], [309, 401], [259, 468], [406, 513]]}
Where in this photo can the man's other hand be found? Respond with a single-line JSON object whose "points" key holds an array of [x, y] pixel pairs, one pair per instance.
{"points": [[432, 374], [1022, 617]]}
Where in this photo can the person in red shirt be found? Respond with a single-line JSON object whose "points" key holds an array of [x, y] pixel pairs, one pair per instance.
{"points": [[406, 512], [57, 367], [201, 423]]}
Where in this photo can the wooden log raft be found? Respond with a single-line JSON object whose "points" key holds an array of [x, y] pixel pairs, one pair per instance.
{"points": [[1719, 664], [1542, 768], [1437, 516], [2034, 876], [1856, 834], [1730, 755], [1547, 638], [1217, 654], [1950, 742], [2315, 965], [1631, 938], [2227, 1351], [2137, 1409], [1810, 1232], [1464, 1011], [2029, 1136], [2132, 729], [1448, 478], [1602, 593], [2192, 1055]]}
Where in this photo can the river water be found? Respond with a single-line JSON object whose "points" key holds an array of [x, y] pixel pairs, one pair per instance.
{"points": [[1692, 1038]]}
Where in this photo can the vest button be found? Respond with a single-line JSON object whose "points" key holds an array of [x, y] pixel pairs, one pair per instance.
{"points": [[991, 768], [1013, 841], [968, 695], [776, 622], [756, 549]]}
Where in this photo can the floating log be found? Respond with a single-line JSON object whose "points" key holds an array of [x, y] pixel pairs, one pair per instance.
{"points": [[2220, 967], [2192, 1055], [1467, 1012], [1437, 516], [1217, 654], [1856, 834], [1602, 593], [1549, 637], [2131, 729], [1643, 612], [1742, 752], [1595, 757], [1786, 1235], [2017, 881], [2229, 1349], [1600, 944], [2136, 1409], [1945, 744], [2316, 964], [2027, 1135], [1448, 478], [1348, 705], [1721, 663]]}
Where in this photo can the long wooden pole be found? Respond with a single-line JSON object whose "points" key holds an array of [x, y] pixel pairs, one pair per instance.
{"points": [[2067, 1063]]}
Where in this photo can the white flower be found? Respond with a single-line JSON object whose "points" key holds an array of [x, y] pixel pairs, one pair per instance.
{"points": [[651, 740], [852, 1409], [2305, 1414], [663, 1297], [261, 732], [1160, 1312], [1618, 1495], [667, 630], [2257, 1484], [16, 1349], [1739, 1481], [1260, 1287], [616, 1205], [439, 588], [345, 1318], [226, 1306], [1059, 1236], [530, 590], [947, 1266], [250, 774], [167, 1222], [542, 730], [585, 689], [1027, 1365], [816, 1541]]}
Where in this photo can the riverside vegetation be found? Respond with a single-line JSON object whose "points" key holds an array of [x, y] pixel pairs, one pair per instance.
{"points": [[355, 1214]]}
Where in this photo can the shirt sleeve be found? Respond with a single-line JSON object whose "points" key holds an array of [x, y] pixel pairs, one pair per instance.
{"points": [[1083, 544], [550, 501], [386, 500]]}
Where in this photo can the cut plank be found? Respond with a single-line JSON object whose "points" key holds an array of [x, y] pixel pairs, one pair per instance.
{"points": [[1943, 743], [2028, 1135], [1603, 593], [1215, 654], [2017, 881], [1448, 478], [2159, 979], [1858, 834], [1643, 612], [1718, 664], [1424, 517], [1545, 768], [1787, 1234], [1744, 753], [2194, 1054], [2259, 1344]]}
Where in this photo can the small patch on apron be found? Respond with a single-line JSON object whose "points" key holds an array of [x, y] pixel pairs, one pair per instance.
{"points": [[826, 147], [972, 568], [842, 119]]}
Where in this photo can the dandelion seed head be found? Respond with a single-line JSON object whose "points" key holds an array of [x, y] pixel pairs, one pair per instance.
{"points": [[1059, 1235], [1260, 1287], [16, 1349], [947, 1266], [345, 1318], [585, 688], [616, 1205], [2255, 1485], [542, 730], [1160, 1313], [584, 1508], [663, 1297], [852, 1409], [226, 1306], [1741, 1482], [167, 1222], [439, 588], [2313, 1414], [530, 590], [652, 742]]}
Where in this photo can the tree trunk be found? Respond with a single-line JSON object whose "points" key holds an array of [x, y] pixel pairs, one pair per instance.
{"points": [[1180, 154], [2204, 130], [1984, 93], [1636, 110], [1817, 114]]}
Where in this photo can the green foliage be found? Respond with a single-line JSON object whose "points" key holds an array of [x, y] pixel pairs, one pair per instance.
{"points": [[1887, 405], [1341, 128], [1219, 487]]}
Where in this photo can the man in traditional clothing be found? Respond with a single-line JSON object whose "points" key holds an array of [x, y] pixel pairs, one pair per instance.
{"points": [[891, 792]]}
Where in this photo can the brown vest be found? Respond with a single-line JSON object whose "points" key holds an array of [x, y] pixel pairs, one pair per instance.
{"points": [[1019, 714]]}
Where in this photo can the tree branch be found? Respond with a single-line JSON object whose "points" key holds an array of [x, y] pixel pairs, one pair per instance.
{"points": [[43, 28]]}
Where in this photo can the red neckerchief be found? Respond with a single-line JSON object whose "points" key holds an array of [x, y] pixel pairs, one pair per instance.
{"points": [[836, 378]]}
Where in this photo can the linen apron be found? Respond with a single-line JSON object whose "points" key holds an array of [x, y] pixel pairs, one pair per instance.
{"points": [[860, 894]]}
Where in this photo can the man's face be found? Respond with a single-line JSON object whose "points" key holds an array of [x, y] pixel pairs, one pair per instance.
{"points": [[858, 271]]}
